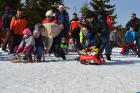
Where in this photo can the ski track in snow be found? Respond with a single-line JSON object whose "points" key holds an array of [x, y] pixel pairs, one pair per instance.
{"points": [[121, 75]]}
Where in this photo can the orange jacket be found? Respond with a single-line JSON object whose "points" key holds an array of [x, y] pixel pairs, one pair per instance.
{"points": [[18, 24]]}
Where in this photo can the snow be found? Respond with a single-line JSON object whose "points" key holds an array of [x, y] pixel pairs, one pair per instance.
{"points": [[121, 75]]}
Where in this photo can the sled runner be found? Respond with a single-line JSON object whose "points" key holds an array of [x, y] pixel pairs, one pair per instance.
{"points": [[24, 61], [87, 59]]}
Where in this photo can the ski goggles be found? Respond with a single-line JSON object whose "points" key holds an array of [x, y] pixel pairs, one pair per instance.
{"points": [[84, 30]]}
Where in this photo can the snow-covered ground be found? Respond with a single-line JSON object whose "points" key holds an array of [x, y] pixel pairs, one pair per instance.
{"points": [[121, 75]]}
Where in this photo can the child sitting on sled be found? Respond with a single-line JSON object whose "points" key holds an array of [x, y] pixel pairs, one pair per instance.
{"points": [[129, 40], [89, 43], [27, 46], [64, 45], [39, 44]]}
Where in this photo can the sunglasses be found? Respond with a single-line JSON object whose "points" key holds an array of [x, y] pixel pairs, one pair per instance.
{"points": [[84, 30], [132, 16], [83, 21], [48, 16]]}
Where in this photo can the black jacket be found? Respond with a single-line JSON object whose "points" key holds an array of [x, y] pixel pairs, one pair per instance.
{"points": [[104, 27], [97, 39], [136, 24]]}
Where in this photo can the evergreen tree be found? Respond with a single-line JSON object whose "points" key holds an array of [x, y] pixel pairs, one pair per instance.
{"points": [[85, 8], [14, 4], [101, 4], [35, 11]]}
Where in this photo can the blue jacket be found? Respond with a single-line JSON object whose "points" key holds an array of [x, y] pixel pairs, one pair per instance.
{"points": [[62, 18], [130, 36], [39, 42]]}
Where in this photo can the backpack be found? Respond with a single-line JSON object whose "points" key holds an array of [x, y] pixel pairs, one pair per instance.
{"points": [[6, 21]]}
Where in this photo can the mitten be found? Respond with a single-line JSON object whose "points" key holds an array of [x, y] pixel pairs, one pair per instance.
{"points": [[19, 49], [24, 49]]}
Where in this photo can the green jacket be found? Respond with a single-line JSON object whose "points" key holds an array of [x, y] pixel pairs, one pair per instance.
{"points": [[64, 46], [138, 36]]}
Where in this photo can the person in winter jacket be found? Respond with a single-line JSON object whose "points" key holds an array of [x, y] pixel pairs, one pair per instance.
{"points": [[80, 18], [102, 30], [52, 32], [73, 23], [39, 44], [63, 19], [17, 26], [129, 40], [138, 36], [112, 38], [49, 18], [64, 45], [7, 17], [27, 46], [85, 30]]}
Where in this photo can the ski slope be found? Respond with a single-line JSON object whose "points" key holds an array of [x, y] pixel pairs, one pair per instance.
{"points": [[121, 75]]}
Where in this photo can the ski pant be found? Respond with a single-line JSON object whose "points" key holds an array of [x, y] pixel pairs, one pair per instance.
{"points": [[105, 38], [16, 42], [39, 50], [29, 50], [112, 44], [63, 32], [8, 39], [56, 46], [128, 44]]}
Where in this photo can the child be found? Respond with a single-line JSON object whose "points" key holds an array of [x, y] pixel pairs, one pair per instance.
{"points": [[64, 45], [129, 40], [27, 46], [71, 44], [39, 44], [18, 24], [112, 38]]}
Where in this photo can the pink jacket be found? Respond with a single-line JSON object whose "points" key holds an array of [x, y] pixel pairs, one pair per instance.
{"points": [[0, 21]]}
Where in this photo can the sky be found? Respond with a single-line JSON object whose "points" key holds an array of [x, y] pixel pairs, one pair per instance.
{"points": [[124, 9]]}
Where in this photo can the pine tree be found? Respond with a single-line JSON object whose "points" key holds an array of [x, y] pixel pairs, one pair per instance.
{"points": [[101, 4], [35, 11], [85, 8], [14, 4]]}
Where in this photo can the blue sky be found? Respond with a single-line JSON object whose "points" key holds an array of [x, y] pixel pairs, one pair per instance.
{"points": [[124, 8]]}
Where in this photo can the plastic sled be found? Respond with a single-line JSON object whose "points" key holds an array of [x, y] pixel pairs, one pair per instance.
{"points": [[24, 61], [87, 59]]}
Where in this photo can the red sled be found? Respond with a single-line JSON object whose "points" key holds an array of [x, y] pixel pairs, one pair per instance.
{"points": [[87, 59]]}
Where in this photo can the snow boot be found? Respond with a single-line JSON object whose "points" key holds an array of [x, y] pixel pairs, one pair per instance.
{"points": [[101, 49], [108, 58]]}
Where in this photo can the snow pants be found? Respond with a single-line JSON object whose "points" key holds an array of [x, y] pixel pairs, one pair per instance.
{"points": [[128, 44], [39, 51]]}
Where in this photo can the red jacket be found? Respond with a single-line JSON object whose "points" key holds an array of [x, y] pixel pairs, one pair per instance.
{"points": [[0, 21], [74, 24], [53, 20], [109, 22]]}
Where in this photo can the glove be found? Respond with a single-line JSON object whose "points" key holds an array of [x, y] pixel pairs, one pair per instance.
{"points": [[12, 33], [19, 49], [24, 49], [116, 41]]}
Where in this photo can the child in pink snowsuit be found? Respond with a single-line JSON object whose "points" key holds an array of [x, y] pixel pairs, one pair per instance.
{"points": [[27, 46]]}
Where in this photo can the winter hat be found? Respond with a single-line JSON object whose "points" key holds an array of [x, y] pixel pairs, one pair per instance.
{"points": [[27, 31], [63, 39], [90, 14], [49, 13], [61, 6], [80, 15], [8, 8], [88, 37], [36, 31]]}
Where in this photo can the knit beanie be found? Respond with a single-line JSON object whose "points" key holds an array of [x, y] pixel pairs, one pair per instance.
{"points": [[49, 13], [80, 15], [61, 6], [36, 31], [63, 39], [27, 31], [90, 14], [8, 8]]}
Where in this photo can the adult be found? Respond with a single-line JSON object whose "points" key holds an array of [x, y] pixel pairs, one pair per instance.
{"points": [[134, 21], [73, 23], [17, 26], [7, 17], [63, 19], [102, 30], [49, 18], [113, 38], [53, 34]]}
